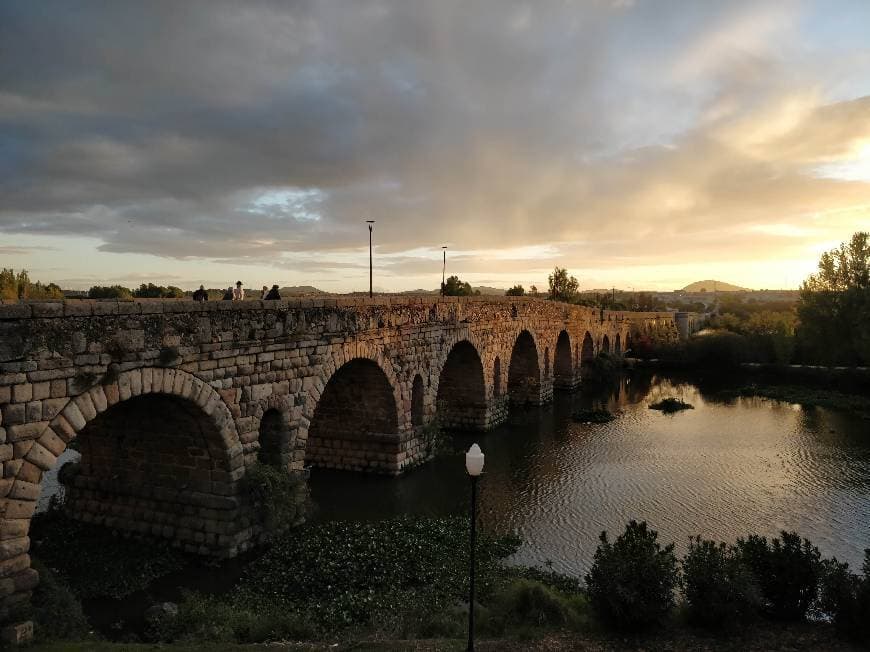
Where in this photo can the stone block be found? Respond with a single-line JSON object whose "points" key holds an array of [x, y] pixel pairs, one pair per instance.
{"points": [[41, 390], [86, 406], [41, 457], [14, 547], [72, 414], [26, 431], [18, 634], [58, 388], [33, 411], [22, 490], [13, 529], [52, 442], [13, 413], [98, 398]]}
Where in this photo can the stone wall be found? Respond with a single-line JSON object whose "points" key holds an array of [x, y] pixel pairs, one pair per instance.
{"points": [[338, 373]]}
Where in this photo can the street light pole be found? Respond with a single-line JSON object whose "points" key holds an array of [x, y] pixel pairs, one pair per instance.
{"points": [[474, 465], [443, 270], [370, 223]]}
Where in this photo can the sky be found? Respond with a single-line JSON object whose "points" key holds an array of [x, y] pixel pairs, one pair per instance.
{"points": [[641, 144]]}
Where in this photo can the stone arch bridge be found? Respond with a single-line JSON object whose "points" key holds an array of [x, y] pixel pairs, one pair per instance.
{"points": [[169, 401]]}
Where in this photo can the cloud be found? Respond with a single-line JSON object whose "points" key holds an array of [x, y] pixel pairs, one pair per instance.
{"points": [[265, 133]]}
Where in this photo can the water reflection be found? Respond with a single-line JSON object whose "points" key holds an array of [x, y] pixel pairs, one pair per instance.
{"points": [[721, 470]]}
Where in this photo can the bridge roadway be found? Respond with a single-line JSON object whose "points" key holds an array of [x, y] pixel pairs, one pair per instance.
{"points": [[170, 401]]}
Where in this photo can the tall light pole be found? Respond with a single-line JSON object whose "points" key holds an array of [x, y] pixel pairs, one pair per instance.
{"points": [[474, 466], [370, 223], [443, 270]]}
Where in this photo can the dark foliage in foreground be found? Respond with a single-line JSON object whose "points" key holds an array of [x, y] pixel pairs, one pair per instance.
{"points": [[632, 580], [847, 598], [719, 590], [787, 570], [126, 565]]}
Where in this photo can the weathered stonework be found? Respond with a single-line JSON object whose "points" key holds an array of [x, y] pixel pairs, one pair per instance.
{"points": [[172, 400]]}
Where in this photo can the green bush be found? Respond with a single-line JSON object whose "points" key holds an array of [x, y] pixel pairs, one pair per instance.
{"points": [[787, 571], [208, 619], [845, 597], [356, 573], [632, 580], [278, 497], [527, 603], [57, 613], [720, 591]]}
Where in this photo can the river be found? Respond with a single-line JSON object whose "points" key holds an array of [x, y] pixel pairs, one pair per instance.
{"points": [[721, 470]]}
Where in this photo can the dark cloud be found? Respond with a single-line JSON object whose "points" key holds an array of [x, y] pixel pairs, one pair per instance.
{"points": [[160, 127]]}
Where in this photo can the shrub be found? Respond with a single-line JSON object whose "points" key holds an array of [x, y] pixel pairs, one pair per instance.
{"points": [[720, 591], [57, 613], [604, 368], [631, 582], [528, 603], [845, 597], [278, 497], [787, 571]]}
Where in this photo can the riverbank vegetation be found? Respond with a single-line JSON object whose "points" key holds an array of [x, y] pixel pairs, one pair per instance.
{"points": [[406, 579], [671, 405]]}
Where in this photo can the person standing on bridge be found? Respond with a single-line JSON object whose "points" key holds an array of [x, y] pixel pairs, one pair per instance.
{"points": [[228, 295], [239, 292], [274, 294], [264, 292], [200, 294]]}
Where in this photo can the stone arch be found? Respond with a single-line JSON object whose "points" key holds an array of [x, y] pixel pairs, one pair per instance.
{"points": [[417, 394], [524, 372], [587, 353], [605, 344], [355, 420], [461, 399], [563, 369], [617, 346], [275, 439], [129, 459], [281, 432], [496, 377]]}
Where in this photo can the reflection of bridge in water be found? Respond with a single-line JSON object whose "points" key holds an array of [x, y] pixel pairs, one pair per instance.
{"points": [[170, 401]]}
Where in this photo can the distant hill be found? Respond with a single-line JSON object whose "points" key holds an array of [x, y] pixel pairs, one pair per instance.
{"points": [[297, 290], [712, 286], [483, 289]]}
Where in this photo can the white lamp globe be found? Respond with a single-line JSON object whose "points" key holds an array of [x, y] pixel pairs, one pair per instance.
{"points": [[474, 460]]}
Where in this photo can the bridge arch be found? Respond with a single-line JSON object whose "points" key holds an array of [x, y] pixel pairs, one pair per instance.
{"points": [[461, 398], [524, 372], [154, 443], [587, 353], [417, 401], [496, 377], [605, 344], [563, 369], [355, 418], [617, 346]]}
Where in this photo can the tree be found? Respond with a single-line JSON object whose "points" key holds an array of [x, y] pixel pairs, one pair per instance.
{"points": [[533, 290], [456, 288], [834, 306], [562, 287], [516, 291], [19, 286], [110, 292], [151, 291]]}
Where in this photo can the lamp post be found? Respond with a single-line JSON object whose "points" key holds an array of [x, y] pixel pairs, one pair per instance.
{"points": [[443, 270], [370, 222], [474, 466]]}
